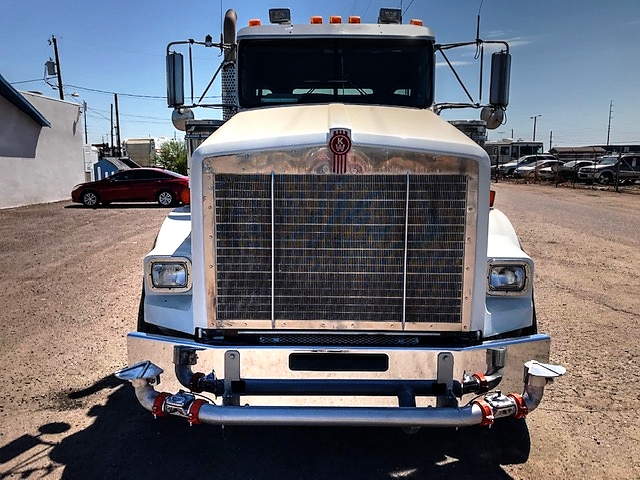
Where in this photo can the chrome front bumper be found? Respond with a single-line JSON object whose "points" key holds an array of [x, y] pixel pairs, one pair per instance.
{"points": [[275, 390]]}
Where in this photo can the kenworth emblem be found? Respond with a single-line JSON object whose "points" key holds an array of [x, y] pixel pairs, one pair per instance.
{"points": [[339, 144]]}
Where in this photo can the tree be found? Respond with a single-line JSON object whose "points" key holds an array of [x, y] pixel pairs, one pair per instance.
{"points": [[173, 156]]}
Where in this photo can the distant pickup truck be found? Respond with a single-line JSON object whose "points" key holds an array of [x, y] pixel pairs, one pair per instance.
{"points": [[625, 168]]}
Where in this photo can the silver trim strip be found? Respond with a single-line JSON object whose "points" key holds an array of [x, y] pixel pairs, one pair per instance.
{"points": [[406, 246], [273, 250]]}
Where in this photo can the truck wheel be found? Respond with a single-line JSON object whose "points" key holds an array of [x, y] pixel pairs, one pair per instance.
{"points": [[90, 198], [143, 326], [605, 178], [166, 198], [533, 329]]}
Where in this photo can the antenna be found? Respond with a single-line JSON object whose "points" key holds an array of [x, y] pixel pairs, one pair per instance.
{"points": [[479, 51], [609, 126]]}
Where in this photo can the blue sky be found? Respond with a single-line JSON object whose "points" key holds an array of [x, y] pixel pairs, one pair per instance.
{"points": [[571, 58]]}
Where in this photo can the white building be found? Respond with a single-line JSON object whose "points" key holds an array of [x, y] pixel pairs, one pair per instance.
{"points": [[41, 147]]}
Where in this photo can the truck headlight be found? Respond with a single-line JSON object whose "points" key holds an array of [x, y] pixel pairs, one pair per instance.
{"points": [[508, 278], [168, 274]]}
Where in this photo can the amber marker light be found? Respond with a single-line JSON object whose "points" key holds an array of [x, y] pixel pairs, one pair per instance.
{"points": [[492, 197], [335, 19], [315, 20], [354, 19], [185, 196], [416, 21], [255, 22]]}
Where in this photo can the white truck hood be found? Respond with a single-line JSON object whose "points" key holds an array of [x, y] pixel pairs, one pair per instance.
{"points": [[307, 125]]}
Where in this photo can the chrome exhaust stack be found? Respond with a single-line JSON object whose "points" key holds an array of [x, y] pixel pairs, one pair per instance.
{"points": [[537, 376]]}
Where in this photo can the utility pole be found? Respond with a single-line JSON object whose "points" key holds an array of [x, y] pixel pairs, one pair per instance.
{"points": [[84, 112], [55, 52], [119, 148], [534, 118], [111, 130], [550, 140], [609, 126]]}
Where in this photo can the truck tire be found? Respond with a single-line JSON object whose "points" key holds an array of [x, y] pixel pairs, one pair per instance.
{"points": [[605, 178], [533, 329], [144, 327]]}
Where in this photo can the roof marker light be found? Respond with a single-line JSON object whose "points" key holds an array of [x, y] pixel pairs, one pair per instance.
{"points": [[255, 22], [415, 21], [316, 19], [354, 19], [335, 19]]}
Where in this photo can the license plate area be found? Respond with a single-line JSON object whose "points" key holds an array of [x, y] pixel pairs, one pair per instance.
{"points": [[339, 362]]}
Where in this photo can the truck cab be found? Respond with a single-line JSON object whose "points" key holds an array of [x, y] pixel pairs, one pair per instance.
{"points": [[340, 262]]}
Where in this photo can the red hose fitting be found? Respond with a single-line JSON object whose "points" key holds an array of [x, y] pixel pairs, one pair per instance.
{"points": [[521, 406], [194, 411], [158, 403], [194, 381], [487, 413], [482, 381]]}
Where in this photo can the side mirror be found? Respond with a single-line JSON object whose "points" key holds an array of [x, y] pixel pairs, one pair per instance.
{"points": [[175, 79], [500, 76]]}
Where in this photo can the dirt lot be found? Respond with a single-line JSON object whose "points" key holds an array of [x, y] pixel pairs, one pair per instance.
{"points": [[69, 288]]}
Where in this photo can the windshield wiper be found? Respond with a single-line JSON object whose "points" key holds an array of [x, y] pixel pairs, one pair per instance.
{"points": [[321, 83], [317, 84]]}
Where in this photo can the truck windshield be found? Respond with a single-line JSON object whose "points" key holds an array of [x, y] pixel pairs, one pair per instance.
{"points": [[396, 72]]}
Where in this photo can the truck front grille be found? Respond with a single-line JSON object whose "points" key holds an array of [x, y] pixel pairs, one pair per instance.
{"points": [[353, 248]]}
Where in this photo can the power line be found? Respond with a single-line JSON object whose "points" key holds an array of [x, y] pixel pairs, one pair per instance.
{"points": [[107, 92], [26, 81], [405, 10]]}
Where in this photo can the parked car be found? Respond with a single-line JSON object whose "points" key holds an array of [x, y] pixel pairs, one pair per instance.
{"points": [[134, 185], [526, 171], [608, 168], [566, 171], [508, 168]]}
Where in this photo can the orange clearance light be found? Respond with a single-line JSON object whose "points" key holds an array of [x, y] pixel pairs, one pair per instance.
{"points": [[416, 21], [335, 19], [255, 22], [492, 197], [316, 19], [185, 196], [354, 19]]}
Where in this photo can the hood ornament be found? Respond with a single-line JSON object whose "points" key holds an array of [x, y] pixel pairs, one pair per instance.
{"points": [[339, 145]]}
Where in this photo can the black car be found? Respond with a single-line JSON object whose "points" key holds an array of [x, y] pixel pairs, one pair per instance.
{"points": [[569, 171]]}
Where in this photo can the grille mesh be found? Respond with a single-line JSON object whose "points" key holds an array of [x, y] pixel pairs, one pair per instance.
{"points": [[346, 247]]}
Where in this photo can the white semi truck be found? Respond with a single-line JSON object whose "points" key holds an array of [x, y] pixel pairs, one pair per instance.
{"points": [[340, 262]]}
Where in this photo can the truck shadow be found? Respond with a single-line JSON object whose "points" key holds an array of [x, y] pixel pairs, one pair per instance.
{"points": [[126, 442]]}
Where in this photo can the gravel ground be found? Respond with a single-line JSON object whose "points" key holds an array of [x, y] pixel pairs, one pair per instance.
{"points": [[70, 285]]}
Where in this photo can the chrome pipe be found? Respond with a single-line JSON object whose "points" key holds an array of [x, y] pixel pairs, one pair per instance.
{"points": [[533, 392], [322, 416], [342, 416], [145, 393], [537, 375]]}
